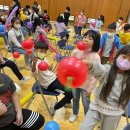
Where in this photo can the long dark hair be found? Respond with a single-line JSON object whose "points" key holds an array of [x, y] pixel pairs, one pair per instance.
{"points": [[37, 22], [125, 94], [96, 38]]}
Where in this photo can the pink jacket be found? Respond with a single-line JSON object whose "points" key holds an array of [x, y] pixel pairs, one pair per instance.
{"points": [[81, 20], [90, 82]]}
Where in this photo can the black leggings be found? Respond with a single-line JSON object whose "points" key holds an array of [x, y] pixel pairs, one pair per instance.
{"points": [[66, 99], [13, 67], [31, 121]]}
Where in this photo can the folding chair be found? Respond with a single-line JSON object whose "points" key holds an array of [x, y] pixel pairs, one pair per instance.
{"points": [[127, 115], [38, 89], [66, 48]]}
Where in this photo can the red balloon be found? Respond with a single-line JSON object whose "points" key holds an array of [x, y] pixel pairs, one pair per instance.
{"points": [[16, 55], [72, 68], [28, 44], [81, 46], [29, 52], [42, 66]]}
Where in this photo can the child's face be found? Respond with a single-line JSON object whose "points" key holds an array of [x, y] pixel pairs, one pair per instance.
{"points": [[123, 63], [111, 32], [40, 53], [88, 41], [127, 57]]}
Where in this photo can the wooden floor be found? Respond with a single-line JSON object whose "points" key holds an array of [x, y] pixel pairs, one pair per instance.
{"points": [[62, 115]]}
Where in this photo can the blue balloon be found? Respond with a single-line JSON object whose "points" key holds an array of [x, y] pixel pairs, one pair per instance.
{"points": [[51, 125], [2, 28]]}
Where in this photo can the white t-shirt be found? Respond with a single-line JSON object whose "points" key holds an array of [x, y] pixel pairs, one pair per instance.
{"points": [[45, 77]]}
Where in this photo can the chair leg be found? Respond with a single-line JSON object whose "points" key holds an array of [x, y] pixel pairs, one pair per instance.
{"points": [[56, 99], [31, 100], [40, 90]]}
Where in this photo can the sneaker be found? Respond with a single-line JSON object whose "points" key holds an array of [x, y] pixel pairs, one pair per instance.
{"points": [[69, 105], [52, 110], [24, 79], [72, 118]]}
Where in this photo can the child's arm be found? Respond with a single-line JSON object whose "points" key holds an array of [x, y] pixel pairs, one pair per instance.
{"points": [[34, 64], [96, 69], [3, 109], [102, 41], [118, 43], [18, 109]]}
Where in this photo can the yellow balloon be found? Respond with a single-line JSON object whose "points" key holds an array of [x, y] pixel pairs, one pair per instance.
{"points": [[23, 17], [21, 12], [124, 37]]}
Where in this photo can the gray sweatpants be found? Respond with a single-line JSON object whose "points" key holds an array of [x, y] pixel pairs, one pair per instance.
{"points": [[107, 122]]}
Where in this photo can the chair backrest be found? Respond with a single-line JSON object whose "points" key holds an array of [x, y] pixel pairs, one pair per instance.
{"points": [[62, 43], [127, 127]]}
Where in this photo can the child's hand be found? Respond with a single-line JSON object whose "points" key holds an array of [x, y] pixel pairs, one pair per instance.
{"points": [[3, 108], [19, 119], [3, 61], [88, 63], [35, 59]]}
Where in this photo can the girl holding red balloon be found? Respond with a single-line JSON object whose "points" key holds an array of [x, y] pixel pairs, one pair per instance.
{"points": [[16, 38], [89, 51], [112, 95], [46, 77]]}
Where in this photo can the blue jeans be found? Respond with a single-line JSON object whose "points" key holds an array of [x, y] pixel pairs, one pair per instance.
{"points": [[76, 97], [26, 57]]}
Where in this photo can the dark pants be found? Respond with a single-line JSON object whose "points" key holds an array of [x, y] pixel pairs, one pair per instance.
{"points": [[35, 122], [66, 99], [13, 67], [78, 30], [66, 22], [105, 60]]}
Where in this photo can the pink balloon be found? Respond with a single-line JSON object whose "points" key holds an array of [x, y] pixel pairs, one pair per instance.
{"points": [[42, 37]]}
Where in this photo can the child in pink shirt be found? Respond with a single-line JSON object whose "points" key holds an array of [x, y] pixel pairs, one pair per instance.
{"points": [[92, 40], [81, 21]]}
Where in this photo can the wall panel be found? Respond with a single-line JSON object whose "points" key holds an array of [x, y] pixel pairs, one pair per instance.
{"points": [[111, 9]]}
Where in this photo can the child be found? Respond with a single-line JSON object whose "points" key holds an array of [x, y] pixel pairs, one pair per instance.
{"points": [[112, 94], [66, 15], [92, 40], [4, 62], [46, 18], [47, 78], [124, 35], [119, 25], [109, 42], [38, 28], [33, 14], [37, 7], [99, 24], [15, 38], [12, 116], [61, 28], [28, 9], [81, 21]]}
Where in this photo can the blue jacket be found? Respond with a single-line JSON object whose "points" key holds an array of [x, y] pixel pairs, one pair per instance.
{"points": [[116, 44]]}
